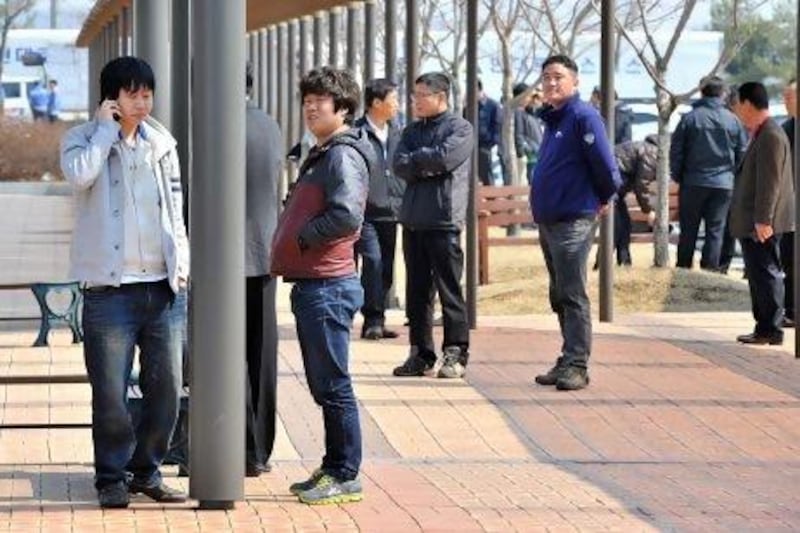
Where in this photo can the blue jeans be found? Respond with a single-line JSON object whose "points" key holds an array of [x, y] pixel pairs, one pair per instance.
{"points": [[115, 320], [324, 311], [566, 248]]}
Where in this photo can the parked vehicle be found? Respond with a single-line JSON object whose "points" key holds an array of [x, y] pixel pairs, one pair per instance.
{"points": [[16, 90]]}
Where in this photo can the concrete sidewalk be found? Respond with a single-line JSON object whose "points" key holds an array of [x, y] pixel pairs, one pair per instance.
{"points": [[681, 429]]}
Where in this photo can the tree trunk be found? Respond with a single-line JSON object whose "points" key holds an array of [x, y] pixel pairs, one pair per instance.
{"points": [[666, 106]]}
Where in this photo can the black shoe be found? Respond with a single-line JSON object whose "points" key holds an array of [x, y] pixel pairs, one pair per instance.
{"points": [[256, 469], [573, 378], [552, 375], [755, 338], [372, 333], [114, 496], [787, 323], [415, 365], [389, 334], [160, 493]]}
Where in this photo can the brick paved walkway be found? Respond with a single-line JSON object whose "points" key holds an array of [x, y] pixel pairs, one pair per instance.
{"points": [[681, 430]]}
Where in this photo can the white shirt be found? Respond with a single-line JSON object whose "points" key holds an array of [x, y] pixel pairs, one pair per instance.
{"points": [[143, 254], [381, 133]]}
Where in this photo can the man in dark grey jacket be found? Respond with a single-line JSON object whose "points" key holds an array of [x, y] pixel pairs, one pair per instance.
{"points": [[264, 165], [762, 210], [706, 149], [433, 157]]}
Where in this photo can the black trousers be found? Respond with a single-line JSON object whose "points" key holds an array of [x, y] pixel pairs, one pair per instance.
{"points": [[485, 165], [262, 368], [787, 262], [762, 263], [435, 259], [710, 206]]}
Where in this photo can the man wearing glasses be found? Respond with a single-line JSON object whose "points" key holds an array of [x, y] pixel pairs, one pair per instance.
{"points": [[433, 157], [573, 182]]}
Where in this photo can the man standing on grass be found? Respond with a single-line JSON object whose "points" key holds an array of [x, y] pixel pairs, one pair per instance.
{"points": [[573, 182]]}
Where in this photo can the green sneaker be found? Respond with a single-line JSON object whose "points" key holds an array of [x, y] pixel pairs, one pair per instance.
{"points": [[329, 490], [302, 486]]}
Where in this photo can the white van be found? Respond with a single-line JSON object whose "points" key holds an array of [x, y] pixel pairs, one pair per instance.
{"points": [[16, 90]]}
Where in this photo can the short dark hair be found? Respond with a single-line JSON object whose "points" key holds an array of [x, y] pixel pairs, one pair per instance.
{"points": [[129, 73], [755, 93], [248, 77], [378, 88], [712, 86], [561, 59], [53, 82], [519, 88], [339, 84], [436, 81]]}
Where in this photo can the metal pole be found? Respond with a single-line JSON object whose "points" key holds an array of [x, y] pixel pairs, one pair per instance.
{"points": [[216, 414], [412, 53], [607, 41], [125, 31], [390, 38], [318, 39], [292, 108], [352, 26], [795, 169], [283, 81], [272, 74], [370, 23], [261, 72], [114, 27], [472, 116], [252, 40], [181, 97], [334, 30], [305, 45], [152, 44]]}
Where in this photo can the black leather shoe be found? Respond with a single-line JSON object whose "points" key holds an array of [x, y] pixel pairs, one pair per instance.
{"points": [[754, 338], [372, 333], [114, 496], [256, 469], [160, 493], [787, 323], [389, 334]]}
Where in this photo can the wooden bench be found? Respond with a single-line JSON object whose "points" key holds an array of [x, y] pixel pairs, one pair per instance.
{"points": [[507, 205]]}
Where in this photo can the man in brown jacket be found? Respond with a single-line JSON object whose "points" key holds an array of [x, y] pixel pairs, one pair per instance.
{"points": [[762, 210]]}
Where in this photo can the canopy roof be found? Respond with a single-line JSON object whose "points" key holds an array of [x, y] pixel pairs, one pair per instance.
{"points": [[260, 13]]}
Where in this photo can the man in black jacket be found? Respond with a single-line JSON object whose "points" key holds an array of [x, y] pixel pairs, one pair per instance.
{"points": [[433, 157], [379, 232]]}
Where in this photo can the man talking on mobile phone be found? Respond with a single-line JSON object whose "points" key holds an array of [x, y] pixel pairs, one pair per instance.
{"points": [[131, 255]]}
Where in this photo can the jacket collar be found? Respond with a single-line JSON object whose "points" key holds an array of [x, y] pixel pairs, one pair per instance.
{"points": [[160, 139], [552, 115], [711, 102]]}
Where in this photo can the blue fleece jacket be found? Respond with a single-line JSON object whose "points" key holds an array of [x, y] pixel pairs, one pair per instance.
{"points": [[576, 172]]}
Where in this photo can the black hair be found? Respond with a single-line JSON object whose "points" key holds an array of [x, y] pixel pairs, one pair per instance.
{"points": [[755, 93], [561, 59], [437, 82], [519, 88], [129, 73], [377, 89], [53, 81], [248, 77], [336, 83], [712, 86]]}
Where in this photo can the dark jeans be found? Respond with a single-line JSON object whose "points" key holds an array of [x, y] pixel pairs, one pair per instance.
{"points": [[323, 311], [566, 248], [762, 265], [262, 368], [376, 248], [485, 165], [115, 321], [622, 233], [434, 258], [787, 263], [710, 206]]}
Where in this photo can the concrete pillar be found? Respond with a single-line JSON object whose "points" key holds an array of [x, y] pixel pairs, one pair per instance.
{"points": [[217, 400], [152, 31], [125, 31], [181, 93], [261, 99], [352, 37], [390, 44], [292, 106], [305, 45], [252, 41], [334, 36], [370, 23], [318, 39], [272, 94], [115, 47]]}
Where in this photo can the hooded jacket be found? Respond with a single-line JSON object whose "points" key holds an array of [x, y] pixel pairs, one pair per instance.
{"points": [[707, 146], [433, 158], [385, 189], [321, 222], [576, 172], [91, 162]]}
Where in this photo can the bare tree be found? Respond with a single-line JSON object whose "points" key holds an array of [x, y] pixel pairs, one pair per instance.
{"points": [[10, 11], [656, 62]]}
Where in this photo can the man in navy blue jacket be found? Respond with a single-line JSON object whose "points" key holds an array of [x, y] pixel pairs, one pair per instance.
{"points": [[574, 180]]}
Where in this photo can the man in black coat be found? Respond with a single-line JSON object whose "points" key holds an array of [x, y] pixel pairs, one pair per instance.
{"points": [[379, 231], [264, 166]]}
